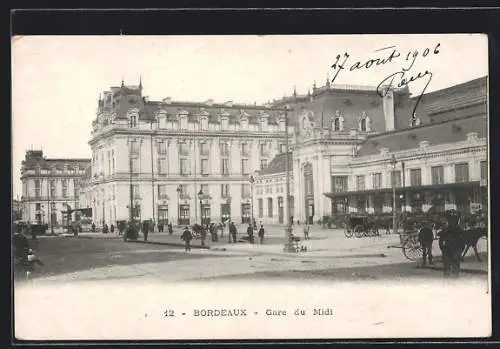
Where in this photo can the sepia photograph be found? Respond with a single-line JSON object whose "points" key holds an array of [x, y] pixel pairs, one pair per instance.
{"points": [[250, 187]]}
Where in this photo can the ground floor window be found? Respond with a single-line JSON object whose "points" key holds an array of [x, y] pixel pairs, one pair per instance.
{"points": [[205, 214], [163, 214], [184, 215], [378, 203], [245, 213], [225, 210]]}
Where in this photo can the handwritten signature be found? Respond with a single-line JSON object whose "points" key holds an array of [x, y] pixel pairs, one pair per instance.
{"points": [[389, 55]]}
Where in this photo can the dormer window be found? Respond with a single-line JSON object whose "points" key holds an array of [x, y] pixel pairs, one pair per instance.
{"points": [[338, 122], [204, 123]]}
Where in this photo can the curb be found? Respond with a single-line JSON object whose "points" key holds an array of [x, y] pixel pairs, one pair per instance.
{"points": [[169, 244], [467, 271]]}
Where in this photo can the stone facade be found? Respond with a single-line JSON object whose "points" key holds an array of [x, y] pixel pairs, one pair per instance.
{"points": [[49, 187]]}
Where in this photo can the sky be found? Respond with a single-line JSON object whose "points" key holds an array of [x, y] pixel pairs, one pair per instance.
{"points": [[56, 80]]}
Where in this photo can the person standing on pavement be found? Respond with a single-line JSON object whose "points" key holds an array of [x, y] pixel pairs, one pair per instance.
{"points": [[426, 238], [250, 233], [306, 231], [170, 229], [187, 237], [451, 244], [261, 234], [233, 231], [203, 234], [105, 229], [145, 230], [112, 228]]}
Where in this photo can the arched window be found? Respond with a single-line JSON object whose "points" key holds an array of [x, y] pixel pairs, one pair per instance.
{"points": [[362, 126], [133, 120]]}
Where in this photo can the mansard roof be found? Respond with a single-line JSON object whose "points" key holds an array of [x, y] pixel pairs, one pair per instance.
{"points": [[449, 131], [277, 164], [43, 163]]}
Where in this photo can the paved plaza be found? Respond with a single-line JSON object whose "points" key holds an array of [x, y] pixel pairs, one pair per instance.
{"points": [[330, 255]]}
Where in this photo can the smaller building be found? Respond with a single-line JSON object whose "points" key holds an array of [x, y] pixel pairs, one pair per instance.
{"points": [[270, 206], [50, 187]]}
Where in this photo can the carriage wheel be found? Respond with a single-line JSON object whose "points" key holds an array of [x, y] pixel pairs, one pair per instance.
{"points": [[358, 231], [348, 232], [412, 250]]}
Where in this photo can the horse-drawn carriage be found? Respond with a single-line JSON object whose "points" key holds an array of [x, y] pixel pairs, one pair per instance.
{"points": [[360, 225]]}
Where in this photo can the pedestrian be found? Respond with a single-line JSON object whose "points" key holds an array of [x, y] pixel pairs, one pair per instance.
{"points": [[233, 231], [203, 234], [250, 233], [451, 243], [261, 234], [112, 228], [426, 238], [105, 229], [306, 231], [93, 227], [187, 237], [212, 232], [170, 229], [145, 230]]}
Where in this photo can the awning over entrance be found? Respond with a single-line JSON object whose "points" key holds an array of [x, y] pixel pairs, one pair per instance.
{"points": [[400, 190]]}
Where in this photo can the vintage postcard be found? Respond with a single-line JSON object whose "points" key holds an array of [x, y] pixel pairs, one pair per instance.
{"points": [[250, 187]]}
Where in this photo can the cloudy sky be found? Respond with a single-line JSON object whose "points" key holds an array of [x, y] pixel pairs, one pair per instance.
{"points": [[57, 80]]}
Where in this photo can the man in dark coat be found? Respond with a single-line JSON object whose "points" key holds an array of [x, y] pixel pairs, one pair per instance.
{"points": [[261, 234], [451, 244], [426, 238], [170, 230], [112, 229], [250, 233], [232, 230], [187, 237], [105, 229], [145, 230]]}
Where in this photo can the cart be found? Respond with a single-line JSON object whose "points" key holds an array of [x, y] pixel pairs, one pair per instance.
{"points": [[360, 226]]}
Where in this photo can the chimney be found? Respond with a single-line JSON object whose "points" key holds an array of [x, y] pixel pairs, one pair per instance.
{"points": [[388, 108], [209, 102], [167, 100], [229, 103]]}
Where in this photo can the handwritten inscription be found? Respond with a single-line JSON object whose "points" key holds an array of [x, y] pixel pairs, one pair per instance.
{"points": [[388, 55]]}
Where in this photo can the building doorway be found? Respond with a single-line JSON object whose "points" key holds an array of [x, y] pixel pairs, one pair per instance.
{"points": [[205, 214], [309, 192], [246, 213], [225, 210], [184, 215], [162, 214]]}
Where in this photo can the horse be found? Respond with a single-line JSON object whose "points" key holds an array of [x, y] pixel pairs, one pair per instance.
{"points": [[471, 238]]}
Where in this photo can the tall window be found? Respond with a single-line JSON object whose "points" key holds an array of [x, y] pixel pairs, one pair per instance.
{"points": [[109, 162], [162, 148], [437, 175], [162, 166], [484, 170], [225, 167], [204, 167], [204, 189], [263, 164], [204, 148], [462, 172], [183, 190], [113, 161], [377, 180], [261, 208], [135, 165], [135, 191], [362, 125], [65, 188], [224, 149], [269, 207], [244, 167], [184, 166], [244, 149], [282, 148], [415, 177], [224, 190], [396, 178], [245, 190], [339, 184], [263, 150], [162, 191], [360, 182], [134, 147], [183, 149], [38, 189], [76, 188], [52, 188]]}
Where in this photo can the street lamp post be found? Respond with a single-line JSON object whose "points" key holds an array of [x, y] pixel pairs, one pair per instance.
{"points": [[252, 180], [179, 205], [200, 197], [288, 230], [393, 163]]}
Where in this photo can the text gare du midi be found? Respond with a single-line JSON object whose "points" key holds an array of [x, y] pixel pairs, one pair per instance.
{"points": [[245, 312]]}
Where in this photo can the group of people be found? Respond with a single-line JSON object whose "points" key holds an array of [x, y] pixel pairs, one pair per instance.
{"points": [[451, 243]]}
